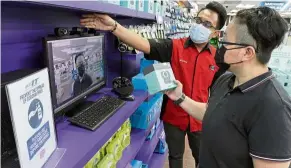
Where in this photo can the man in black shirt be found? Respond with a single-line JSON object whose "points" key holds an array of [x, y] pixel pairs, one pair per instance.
{"points": [[83, 80], [247, 120]]}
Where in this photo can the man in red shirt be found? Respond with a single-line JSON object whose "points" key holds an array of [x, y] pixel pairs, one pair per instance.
{"points": [[193, 64]]}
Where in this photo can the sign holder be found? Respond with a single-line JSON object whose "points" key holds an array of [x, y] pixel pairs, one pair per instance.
{"points": [[32, 119]]}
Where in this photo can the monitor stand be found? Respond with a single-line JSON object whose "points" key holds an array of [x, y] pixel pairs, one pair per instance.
{"points": [[78, 108]]}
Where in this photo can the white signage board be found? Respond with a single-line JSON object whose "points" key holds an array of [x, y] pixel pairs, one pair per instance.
{"points": [[32, 119]]}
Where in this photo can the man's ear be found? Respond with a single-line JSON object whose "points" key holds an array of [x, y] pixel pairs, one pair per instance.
{"points": [[249, 53]]}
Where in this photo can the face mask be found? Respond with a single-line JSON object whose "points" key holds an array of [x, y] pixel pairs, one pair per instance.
{"points": [[219, 59], [199, 34], [81, 70]]}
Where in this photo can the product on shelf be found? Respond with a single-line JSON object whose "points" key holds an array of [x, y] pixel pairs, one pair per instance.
{"points": [[136, 164], [146, 112], [149, 6], [131, 4], [108, 161], [151, 134], [161, 147]]}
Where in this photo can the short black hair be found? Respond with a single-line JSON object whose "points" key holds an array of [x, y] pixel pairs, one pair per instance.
{"points": [[220, 10], [266, 26], [78, 55]]}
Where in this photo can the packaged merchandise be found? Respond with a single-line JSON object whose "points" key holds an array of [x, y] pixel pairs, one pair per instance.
{"points": [[146, 112], [124, 136], [140, 5], [131, 4], [145, 63], [139, 82], [115, 148], [159, 77], [161, 147], [151, 134], [108, 162], [136, 164], [149, 6], [144, 165]]}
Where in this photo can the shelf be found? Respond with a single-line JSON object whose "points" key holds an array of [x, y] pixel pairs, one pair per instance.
{"points": [[138, 137], [82, 144], [148, 148], [94, 6], [158, 160]]}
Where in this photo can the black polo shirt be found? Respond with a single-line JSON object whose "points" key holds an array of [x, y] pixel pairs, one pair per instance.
{"points": [[251, 120]]}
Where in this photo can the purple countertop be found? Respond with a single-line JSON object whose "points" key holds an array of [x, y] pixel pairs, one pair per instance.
{"points": [[158, 160], [148, 148], [82, 144]]}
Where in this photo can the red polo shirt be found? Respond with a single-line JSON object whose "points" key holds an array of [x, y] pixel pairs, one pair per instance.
{"points": [[194, 69]]}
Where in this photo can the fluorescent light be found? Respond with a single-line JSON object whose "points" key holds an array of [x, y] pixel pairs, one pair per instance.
{"points": [[242, 6]]}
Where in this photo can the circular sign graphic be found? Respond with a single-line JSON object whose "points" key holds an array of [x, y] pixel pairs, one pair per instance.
{"points": [[35, 113]]}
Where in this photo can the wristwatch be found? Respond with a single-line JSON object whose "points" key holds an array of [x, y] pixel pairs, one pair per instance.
{"points": [[180, 100]]}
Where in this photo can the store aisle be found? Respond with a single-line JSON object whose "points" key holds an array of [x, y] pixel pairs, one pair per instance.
{"points": [[188, 159]]}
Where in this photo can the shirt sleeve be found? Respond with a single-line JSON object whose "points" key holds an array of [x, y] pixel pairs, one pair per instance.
{"points": [[160, 50], [270, 134]]}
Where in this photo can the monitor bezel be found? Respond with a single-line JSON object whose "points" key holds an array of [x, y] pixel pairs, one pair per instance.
{"points": [[70, 104]]}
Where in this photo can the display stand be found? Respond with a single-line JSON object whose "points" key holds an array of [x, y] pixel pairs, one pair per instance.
{"points": [[55, 158]]}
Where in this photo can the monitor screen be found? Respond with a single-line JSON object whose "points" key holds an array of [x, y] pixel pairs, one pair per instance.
{"points": [[76, 68]]}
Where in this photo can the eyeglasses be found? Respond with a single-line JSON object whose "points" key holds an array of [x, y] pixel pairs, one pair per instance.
{"points": [[242, 45], [205, 23]]}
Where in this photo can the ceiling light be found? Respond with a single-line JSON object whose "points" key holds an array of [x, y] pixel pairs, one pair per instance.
{"points": [[242, 6]]}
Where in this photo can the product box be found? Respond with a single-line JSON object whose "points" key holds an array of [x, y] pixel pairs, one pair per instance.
{"points": [[126, 125], [151, 134], [136, 164], [144, 165], [161, 147], [149, 6], [145, 63], [115, 148], [139, 82], [108, 162], [131, 4], [94, 161], [140, 5], [159, 77], [146, 112], [124, 136], [116, 2]]}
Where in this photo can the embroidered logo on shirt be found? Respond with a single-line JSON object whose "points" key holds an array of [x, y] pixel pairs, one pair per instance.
{"points": [[212, 67], [183, 61]]}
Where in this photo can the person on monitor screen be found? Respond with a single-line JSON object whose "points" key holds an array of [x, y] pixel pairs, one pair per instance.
{"points": [[247, 120], [83, 80], [193, 63]]}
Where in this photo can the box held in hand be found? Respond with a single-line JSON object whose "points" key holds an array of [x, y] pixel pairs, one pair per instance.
{"points": [[159, 77]]}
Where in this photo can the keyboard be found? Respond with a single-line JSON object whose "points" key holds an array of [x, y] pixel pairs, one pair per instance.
{"points": [[96, 114]]}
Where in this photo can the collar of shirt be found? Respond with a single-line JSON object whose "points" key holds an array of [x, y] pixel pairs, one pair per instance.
{"points": [[189, 43], [253, 83]]}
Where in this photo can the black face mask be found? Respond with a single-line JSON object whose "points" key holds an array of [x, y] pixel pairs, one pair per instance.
{"points": [[81, 70], [219, 58]]}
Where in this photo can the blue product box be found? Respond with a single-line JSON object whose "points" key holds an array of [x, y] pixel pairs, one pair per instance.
{"points": [[136, 164], [144, 165], [145, 63], [131, 4], [157, 8], [139, 82], [151, 134], [145, 113], [116, 2], [159, 77], [161, 147], [157, 123], [140, 5]]}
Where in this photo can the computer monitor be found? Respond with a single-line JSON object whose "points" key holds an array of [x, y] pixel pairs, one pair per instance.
{"points": [[77, 69]]}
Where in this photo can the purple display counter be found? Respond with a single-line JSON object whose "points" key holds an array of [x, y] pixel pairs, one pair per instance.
{"points": [[147, 150], [82, 144]]}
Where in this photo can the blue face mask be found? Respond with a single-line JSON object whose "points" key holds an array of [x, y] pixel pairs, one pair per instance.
{"points": [[199, 34]]}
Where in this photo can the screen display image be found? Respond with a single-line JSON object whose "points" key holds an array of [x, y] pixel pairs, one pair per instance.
{"points": [[78, 65]]}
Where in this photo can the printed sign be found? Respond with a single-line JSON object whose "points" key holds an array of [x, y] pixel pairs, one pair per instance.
{"points": [[274, 5], [32, 119]]}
